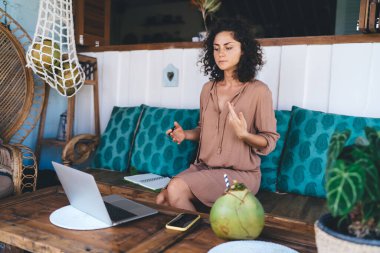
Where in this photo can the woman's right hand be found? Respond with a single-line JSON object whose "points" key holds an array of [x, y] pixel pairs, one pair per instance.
{"points": [[178, 134]]}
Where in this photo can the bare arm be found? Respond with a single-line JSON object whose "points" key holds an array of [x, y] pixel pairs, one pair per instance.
{"points": [[254, 140], [193, 134]]}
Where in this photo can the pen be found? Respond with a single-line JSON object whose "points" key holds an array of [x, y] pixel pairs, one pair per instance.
{"points": [[173, 128]]}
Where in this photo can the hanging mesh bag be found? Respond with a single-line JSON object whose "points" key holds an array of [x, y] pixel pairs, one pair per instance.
{"points": [[52, 55]]}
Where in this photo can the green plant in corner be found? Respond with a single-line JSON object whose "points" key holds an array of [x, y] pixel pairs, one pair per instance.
{"points": [[206, 7], [353, 182]]}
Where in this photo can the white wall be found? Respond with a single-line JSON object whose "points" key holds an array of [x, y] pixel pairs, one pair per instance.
{"points": [[340, 78]]}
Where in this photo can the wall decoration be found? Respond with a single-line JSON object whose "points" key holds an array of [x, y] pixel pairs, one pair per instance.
{"points": [[170, 76]]}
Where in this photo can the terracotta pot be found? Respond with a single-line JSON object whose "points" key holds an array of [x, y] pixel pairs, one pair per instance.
{"points": [[328, 240]]}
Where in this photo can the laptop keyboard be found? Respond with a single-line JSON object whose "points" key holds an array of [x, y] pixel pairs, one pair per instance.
{"points": [[117, 213]]}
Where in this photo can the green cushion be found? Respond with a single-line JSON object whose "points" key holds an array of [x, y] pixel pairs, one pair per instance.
{"points": [[271, 163], [116, 141], [154, 151], [304, 160]]}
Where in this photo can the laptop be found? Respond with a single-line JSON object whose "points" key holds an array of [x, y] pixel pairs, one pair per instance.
{"points": [[84, 195]]}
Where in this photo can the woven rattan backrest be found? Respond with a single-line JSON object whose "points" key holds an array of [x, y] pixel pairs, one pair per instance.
{"points": [[16, 85]]}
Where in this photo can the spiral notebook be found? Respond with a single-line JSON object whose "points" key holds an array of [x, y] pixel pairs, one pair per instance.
{"points": [[149, 180]]}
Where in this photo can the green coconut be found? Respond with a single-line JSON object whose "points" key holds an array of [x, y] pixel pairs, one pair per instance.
{"points": [[237, 215]]}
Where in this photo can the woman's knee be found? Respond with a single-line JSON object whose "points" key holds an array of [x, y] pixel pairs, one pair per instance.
{"points": [[162, 198], [178, 189]]}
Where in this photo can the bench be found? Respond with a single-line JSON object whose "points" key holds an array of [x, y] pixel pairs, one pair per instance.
{"points": [[292, 189]]}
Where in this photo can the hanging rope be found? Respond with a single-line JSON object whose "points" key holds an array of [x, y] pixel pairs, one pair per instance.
{"points": [[5, 18], [52, 54], [5, 9]]}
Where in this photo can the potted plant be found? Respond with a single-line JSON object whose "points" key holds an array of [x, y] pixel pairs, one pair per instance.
{"points": [[206, 7], [353, 195]]}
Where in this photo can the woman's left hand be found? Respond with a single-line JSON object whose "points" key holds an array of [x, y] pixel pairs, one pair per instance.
{"points": [[238, 122]]}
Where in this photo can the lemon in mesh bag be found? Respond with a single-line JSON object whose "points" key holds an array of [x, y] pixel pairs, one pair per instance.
{"points": [[52, 54], [45, 54]]}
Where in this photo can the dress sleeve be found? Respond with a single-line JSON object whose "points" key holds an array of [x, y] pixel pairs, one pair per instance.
{"points": [[265, 122], [200, 110], [204, 96]]}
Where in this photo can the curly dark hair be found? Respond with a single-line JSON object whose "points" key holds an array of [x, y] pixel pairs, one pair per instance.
{"points": [[251, 60]]}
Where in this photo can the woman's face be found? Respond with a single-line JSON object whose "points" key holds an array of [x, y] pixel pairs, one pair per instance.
{"points": [[227, 51]]}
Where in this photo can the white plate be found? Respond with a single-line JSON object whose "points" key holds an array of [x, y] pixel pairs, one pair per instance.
{"points": [[251, 247], [71, 218]]}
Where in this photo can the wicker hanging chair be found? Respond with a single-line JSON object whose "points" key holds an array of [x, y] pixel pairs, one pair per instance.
{"points": [[21, 100], [16, 85]]}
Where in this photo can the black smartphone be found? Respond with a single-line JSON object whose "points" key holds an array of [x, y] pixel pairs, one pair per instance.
{"points": [[183, 221]]}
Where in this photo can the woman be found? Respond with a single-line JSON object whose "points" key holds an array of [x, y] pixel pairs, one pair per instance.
{"points": [[236, 124]]}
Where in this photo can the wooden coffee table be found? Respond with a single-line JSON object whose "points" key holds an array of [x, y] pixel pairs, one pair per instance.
{"points": [[24, 223]]}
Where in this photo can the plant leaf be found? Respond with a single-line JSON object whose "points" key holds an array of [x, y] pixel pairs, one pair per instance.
{"points": [[345, 186], [360, 153], [372, 182], [337, 142], [361, 141], [211, 5], [371, 210], [215, 8], [373, 139], [197, 3], [371, 135], [376, 155]]}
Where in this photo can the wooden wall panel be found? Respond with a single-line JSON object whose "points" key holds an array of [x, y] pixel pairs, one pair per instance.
{"points": [[155, 89], [192, 79], [292, 76], [270, 73], [317, 77], [372, 108], [124, 70], [109, 89], [339, 78], [350, 68], [137, 81]]}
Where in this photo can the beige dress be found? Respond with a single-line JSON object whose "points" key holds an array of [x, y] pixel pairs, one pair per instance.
{"points": [[220, 151]]}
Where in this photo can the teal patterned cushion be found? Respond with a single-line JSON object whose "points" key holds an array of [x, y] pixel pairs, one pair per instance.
{"points": [[305, 155], [154, 151], [116, 141], [271, 163]]}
